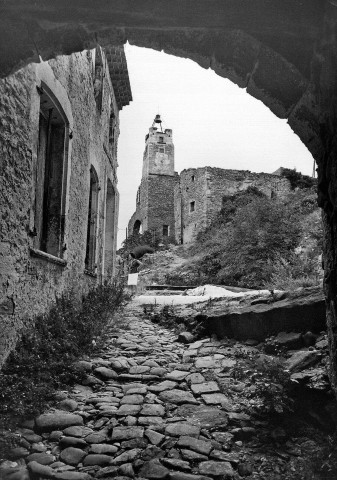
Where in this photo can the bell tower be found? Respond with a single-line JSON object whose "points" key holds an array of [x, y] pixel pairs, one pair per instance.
{"points": [[155, 197], [159, 150]]}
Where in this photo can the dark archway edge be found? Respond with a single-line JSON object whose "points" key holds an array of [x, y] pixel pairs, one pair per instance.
{"points": [[284, 52]]}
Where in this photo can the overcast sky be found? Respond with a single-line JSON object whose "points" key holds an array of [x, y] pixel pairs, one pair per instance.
{"points": [[214, 122]]}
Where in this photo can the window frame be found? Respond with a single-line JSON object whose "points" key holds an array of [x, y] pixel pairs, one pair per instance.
{"points": [[90, 261], [39, 229], [168, 230]]}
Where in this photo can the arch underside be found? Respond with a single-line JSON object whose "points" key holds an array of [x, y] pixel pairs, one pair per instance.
{"points": [[283, 53]]}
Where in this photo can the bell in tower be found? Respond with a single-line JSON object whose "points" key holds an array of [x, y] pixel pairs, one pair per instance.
{"points": [[159, 150], [158, 121]]}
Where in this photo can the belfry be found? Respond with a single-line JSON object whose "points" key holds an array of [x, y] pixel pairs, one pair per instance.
{"points": [[155, 196]]}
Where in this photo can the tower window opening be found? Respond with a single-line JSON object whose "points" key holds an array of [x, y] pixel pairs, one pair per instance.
{"points": [[166, 230], [161, 139], [193, 178], [161, 149], [192, 206]]}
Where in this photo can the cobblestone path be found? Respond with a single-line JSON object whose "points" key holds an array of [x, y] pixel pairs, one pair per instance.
{"points": [[144, 411]]}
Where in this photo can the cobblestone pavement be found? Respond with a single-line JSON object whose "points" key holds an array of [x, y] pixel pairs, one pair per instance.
{"points": [[145, 410]]}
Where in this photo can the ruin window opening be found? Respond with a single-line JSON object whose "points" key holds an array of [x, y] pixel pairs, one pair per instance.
{"points": [[51, 175], [166, 230], [98, 78], [90, 256], [192, 206], [161, 139], [138, 196], [137, 227], [193, 178]]}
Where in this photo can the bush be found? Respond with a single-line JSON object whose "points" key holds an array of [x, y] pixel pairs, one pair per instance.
{"points": [[294, 273], [297, 180], [272, 386], [147, 238], [42, 360], [260, 232]]}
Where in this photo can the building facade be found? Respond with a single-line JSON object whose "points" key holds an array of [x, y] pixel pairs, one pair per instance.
{"points": [[155, 195], [59, 198]]}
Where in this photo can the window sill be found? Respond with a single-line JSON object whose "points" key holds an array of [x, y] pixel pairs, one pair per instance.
{"points": [[90, 273], [47, 256]]}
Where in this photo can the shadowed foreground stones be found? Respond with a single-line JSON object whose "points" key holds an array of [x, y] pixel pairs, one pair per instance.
{"points": [[154, 470], [56, 421], [72, 456], [203, 416], [178, 429], [187, 476], [146, 427], [127, 433], [97, 459], [223, 469], [106, 373], [178, 397], [199, 446], [302, 359]]}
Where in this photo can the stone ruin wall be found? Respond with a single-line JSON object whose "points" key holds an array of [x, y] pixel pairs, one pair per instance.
{"points": [[187, 191], [222, 182], [28, 283], [207, 186]]}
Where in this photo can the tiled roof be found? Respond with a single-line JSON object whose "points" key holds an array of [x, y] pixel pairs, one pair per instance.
{"points": [[119, 75]]}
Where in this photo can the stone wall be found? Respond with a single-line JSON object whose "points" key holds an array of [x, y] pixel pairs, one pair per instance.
{"points": [[206, 188], [161, 203], [155, 207], [31, 279], [192, 188]]}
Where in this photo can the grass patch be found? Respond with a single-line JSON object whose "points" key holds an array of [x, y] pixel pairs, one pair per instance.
{"points": [[43, 358]]}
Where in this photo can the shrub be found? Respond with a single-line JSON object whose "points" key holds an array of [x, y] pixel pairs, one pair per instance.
{"points": [[147, 238], [297, 180], [42, 360], [295, 272], [272, 387], [260, 232]]}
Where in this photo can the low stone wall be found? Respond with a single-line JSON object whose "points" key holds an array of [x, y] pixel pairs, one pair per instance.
{"points": [[259, 321]]}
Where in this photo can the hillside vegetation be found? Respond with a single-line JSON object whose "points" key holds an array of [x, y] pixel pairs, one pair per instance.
{"points": [[256, 241]]}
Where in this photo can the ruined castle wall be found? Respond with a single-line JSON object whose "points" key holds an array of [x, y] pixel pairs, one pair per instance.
{"points": [[222, 182], [31, 280], [206, 188], [191, 217]]}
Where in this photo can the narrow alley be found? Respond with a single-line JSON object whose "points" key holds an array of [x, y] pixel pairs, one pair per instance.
{"points": [[150, 408]]}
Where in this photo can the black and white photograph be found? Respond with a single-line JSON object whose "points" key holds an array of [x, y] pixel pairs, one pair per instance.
{"points": [[168, 240]]}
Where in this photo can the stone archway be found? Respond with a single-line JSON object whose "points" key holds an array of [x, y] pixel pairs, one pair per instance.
{"points": [[283, 52]]}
